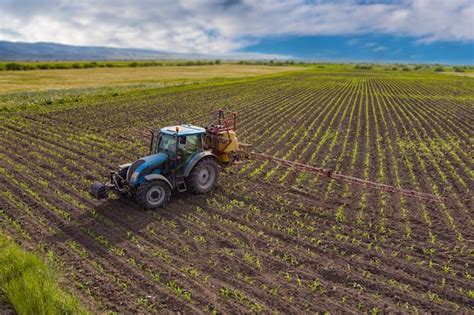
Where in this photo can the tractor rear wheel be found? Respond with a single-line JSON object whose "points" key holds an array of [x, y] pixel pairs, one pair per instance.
{"points": [[203, 176], [153, 194]]}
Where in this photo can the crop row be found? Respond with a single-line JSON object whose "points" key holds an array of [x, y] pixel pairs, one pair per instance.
{"points": [[269, 238]]}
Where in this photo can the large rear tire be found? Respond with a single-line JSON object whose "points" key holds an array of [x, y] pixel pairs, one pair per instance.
{"points": [[153, 194], [203, 176]]}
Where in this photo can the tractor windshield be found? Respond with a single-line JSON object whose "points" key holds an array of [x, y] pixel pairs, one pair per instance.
{"points": [[167, 143], [187, 145]]}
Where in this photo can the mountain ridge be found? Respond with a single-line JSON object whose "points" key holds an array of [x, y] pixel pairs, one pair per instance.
{"points": [[45, 51]]}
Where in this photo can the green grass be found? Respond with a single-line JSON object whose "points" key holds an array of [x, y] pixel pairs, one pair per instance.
{"points": [[41, 80], [61, 98], [29, 285]]}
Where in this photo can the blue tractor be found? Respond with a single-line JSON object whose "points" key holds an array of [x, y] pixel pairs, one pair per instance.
{"points": [[181, 157]]}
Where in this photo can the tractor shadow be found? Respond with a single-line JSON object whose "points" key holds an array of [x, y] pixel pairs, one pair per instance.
{"points": [[115, 220]]}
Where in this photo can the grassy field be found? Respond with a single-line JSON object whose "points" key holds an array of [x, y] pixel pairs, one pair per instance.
{"points": [[268, 239], [33, 80], [463, 74], [29, 285]]}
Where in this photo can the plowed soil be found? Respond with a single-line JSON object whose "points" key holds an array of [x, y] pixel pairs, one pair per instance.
{"points": [[267, 239]]}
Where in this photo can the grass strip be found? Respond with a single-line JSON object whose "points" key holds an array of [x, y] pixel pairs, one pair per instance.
{"points": [[29, 285]]}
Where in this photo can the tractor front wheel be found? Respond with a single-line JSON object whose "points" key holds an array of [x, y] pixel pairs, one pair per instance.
{"points": [[153, 194], [203, 176]]}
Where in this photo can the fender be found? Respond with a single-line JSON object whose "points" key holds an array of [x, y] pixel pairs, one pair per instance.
{"points": [[158, 176], [196, 158]]}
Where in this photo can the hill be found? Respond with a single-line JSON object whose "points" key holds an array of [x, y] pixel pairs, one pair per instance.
{"points": [[20, 51]]}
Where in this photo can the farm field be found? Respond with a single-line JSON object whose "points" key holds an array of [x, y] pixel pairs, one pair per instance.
{"points": [[33, 80], [267, 239], [465, 74]]}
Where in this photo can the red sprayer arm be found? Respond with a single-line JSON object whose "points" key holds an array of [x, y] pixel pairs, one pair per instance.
{"points": [[353, 180]]}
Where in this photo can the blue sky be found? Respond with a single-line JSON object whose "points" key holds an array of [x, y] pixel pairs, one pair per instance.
{"points": [[368, 48], [344, 30]]}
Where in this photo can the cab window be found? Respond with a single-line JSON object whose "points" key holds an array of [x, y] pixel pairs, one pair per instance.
{"points": [[187, 146], [167, 143]]}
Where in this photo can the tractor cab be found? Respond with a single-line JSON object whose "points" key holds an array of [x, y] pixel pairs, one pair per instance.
{"points": [[180, 143], [173, 152]]}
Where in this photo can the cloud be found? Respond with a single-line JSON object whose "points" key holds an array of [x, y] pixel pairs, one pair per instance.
{"points": [[9, 32], [254, 56], [379, 49], [370, 45], [222, 26], [353, 41]]}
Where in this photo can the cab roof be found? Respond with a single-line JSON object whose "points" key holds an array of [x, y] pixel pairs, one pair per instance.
{"points": [[183, 130]]}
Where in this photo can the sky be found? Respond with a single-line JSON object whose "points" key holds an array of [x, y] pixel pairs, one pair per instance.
{"points": [[415, 31]]}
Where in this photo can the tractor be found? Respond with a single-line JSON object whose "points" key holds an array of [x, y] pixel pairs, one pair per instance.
{"points": [[188, 158], [182, 157]]}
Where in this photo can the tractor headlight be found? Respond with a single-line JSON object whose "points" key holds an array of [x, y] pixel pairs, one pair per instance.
{"points": [[134, 177]]}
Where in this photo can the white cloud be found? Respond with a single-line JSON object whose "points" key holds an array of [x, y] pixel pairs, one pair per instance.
{"points": [[222, 26], [379, 49], [252, 55]]}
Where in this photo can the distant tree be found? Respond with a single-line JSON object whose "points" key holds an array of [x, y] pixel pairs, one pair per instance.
{"points": [[13, 66], [363, 67], [90, 65], [439, 69], [406, 69], [458, 69], [217, 62], [43, 66]]}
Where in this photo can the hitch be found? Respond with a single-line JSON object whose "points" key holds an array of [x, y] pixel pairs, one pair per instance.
{"points": [[116, 184]]}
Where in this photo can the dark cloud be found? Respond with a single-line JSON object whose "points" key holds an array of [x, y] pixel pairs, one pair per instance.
{"points": [[227, 4]]}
